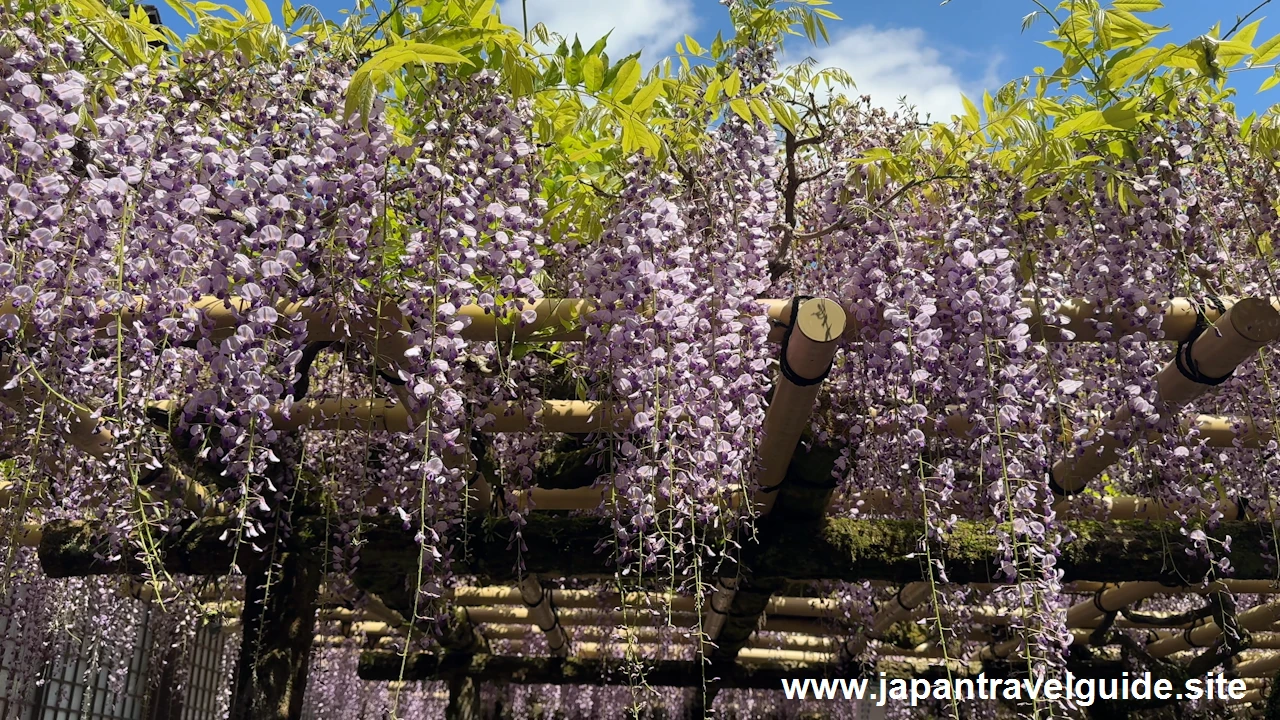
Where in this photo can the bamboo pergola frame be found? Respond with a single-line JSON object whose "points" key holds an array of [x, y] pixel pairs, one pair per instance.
{"points": [[745, 619]]}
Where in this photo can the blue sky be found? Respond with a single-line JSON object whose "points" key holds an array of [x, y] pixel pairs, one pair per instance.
{"points": [[918, 48]]}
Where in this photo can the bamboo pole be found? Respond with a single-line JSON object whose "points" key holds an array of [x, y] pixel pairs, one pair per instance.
{"points": [[559, 319], [717, 611], [1261, 617], [561, 416], [815, 328], [588, 416], [1103, 602], [656, 635], [902, 606], [1214, 430], [1140, 508], [815, 335], [1260, 667], [542, 612], [1247, 326], [83, 432], [1123, 507], [508, 614]]}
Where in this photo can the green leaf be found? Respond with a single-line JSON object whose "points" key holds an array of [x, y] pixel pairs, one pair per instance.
{"points": [[359, 94], [1085, 122], [1247, 33], [1124, 115], [784, 115], [1134, 6], [593, 72], [693, 45], [740, 107], [288, 13], [375, 70], [1246, 124], [1269, 83], [647, 95], [972, 119], [259, 11], [1125, 69], [1266, 52], [733, 84], [713, 91], [628, 78]]}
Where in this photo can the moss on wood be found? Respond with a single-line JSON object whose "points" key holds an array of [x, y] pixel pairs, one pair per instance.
{"points": [[832, 549]]}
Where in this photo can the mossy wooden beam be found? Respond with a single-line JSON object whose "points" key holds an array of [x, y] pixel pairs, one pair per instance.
{"points": [[832, 549]]}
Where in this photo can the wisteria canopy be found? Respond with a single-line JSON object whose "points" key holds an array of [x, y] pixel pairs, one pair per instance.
{"points": [[449, 368]]}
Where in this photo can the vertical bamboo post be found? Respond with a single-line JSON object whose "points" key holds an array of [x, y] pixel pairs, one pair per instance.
{"points": [[1246, 327], [717, 611], [806, 357]]}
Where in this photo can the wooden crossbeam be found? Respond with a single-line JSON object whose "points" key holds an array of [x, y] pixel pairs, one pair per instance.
{"points": [[836, 549]]}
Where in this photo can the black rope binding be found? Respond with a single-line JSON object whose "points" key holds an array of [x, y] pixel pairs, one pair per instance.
{"points": [[1187, 365], [1058, 490], [787, 371], [1186, 636]]}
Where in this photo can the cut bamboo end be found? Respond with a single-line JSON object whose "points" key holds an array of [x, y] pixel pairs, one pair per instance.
{"points": [[1263, 667], [28, 535]]}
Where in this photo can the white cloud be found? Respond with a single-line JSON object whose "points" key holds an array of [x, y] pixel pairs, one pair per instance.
{"points": [[891, 63], [652, 25]]}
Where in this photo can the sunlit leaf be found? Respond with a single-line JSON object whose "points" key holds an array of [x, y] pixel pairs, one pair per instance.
{"points": [[593, 72]]}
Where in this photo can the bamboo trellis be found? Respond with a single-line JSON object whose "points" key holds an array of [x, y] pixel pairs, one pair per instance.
{"points": [[780, 630]]}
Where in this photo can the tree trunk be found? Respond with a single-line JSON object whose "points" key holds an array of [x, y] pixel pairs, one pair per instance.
{"points": [[464, 698], [279, 620]]}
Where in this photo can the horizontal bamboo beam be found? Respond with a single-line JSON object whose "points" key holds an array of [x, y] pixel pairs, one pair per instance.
{"points": [[1261, 617], [572, 617], [588, 416], [380, 415], [560, 319]]}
